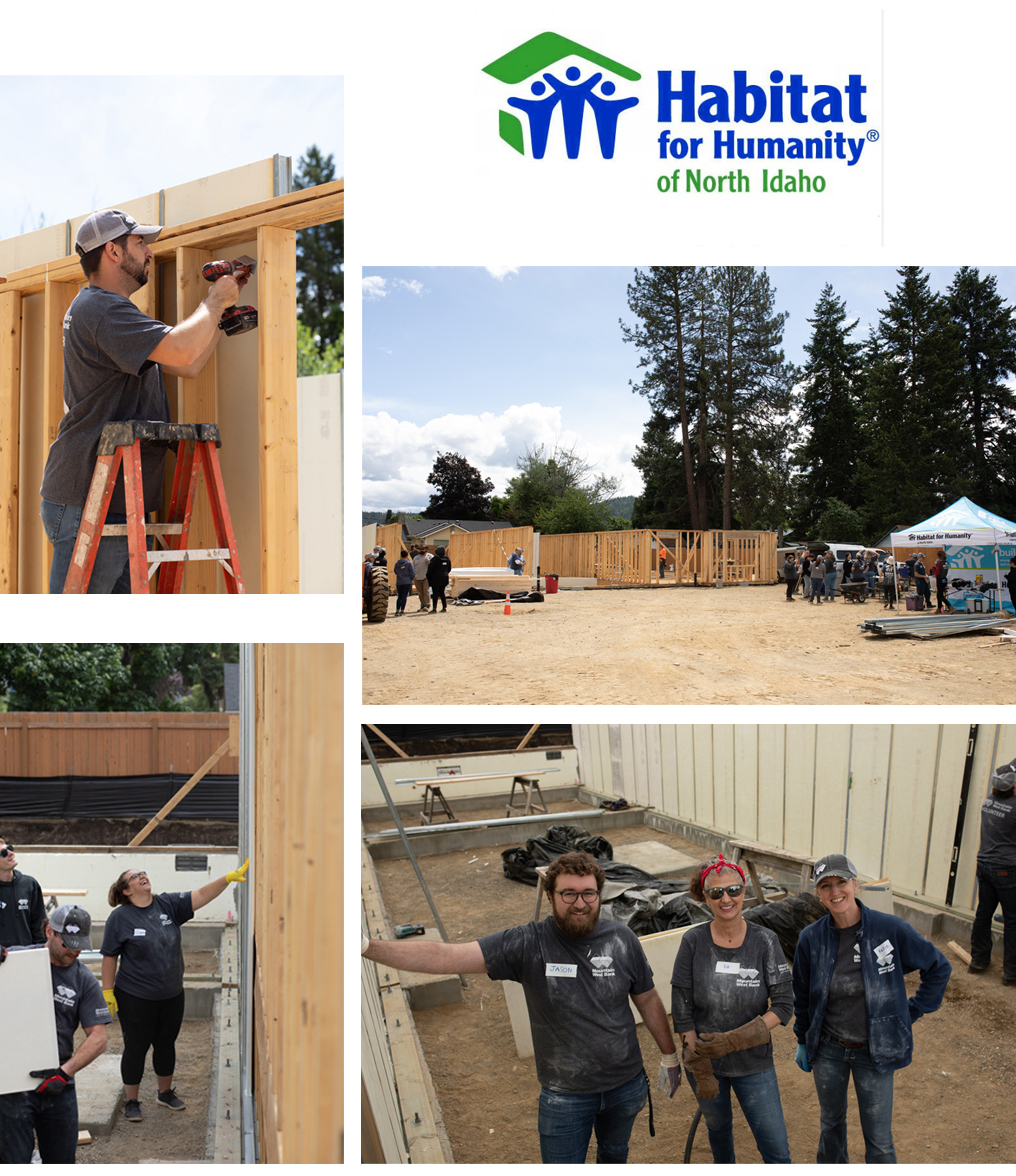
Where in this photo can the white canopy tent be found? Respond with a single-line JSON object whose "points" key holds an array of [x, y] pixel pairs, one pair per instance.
{"points": [[974, 539]]}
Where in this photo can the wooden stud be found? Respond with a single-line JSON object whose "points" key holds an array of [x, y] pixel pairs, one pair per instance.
{"points": [[10, 434], [174, 800], [529, 734], [197, 404], [277, 419], [382, 736]]}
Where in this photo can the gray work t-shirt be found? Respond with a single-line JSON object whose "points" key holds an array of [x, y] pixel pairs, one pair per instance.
{"points": [[998, 831], [577, 994], [716, 989], [846, 1014], [147, 940], [107, 377]]}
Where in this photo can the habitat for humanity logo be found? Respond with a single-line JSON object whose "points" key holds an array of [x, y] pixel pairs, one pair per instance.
{"points": [[568, 96]]}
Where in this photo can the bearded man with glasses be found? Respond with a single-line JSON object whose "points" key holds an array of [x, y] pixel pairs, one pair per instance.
{"points": [[577, 974]]}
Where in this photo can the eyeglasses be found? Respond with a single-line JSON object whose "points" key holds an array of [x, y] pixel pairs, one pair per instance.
{"points": [[715, 892], [587, 896], [135, 877]]}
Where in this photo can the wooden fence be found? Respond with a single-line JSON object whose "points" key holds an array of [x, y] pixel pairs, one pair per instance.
{"points": [[633, 557], [117, 743], [490, 549], [296, 875]]}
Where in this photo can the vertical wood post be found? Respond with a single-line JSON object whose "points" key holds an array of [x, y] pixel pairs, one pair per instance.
{"points": [[57, 299], [277, 419], [198, 404], [10, 436]]}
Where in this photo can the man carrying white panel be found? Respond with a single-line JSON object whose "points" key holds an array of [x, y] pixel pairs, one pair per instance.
{"points": [[50, 1111]]}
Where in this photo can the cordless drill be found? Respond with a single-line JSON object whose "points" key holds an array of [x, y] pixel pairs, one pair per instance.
{"points": [[235, 319]]}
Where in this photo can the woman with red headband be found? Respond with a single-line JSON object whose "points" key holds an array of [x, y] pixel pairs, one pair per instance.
{"points": [[731, 988]]}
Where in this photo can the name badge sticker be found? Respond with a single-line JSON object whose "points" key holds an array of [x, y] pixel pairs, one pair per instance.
{"points": [[139, 930], [730, 969], [562, 970]]}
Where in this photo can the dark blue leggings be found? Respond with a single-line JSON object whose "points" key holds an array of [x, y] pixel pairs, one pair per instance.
{"points": [[148, 1025]]}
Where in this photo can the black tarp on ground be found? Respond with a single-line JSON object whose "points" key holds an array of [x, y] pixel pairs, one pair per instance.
{"points": [[481, 595], [79, 797]]}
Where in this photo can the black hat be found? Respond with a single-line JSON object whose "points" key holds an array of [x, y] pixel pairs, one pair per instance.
{"points": [[834, 865], [74, 926]]}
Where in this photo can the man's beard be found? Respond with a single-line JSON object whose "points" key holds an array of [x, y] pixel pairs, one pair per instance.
{"points": [[134, 269], [577, 928]]}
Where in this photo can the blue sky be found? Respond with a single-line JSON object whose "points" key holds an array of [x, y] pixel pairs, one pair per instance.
{"points": [[92, 142], [487, 361]]}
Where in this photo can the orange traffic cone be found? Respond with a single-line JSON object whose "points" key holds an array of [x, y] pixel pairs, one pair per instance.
{"points": [[507, 605]]}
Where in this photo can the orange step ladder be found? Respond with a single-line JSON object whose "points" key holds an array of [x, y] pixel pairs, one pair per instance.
{"points": [[120, 443]]}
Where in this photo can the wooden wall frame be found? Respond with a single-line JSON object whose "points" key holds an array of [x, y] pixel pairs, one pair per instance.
{"points": [[270, 227]]}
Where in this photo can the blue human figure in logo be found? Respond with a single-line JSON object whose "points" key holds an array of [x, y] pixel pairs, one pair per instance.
{"points": [[573, 104], [539, 112], [606, 112]]}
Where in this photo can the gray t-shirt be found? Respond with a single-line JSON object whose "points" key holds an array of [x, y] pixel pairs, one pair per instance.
{"points": [[998, 831], [147, 940], [107, 377], [577, 994], [716, 989], [846, 1015]]}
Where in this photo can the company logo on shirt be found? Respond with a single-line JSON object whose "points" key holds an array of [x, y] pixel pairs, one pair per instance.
{"points": [[64, 995], [165, 920], [884, 956], [602, 965], [22, 904]]}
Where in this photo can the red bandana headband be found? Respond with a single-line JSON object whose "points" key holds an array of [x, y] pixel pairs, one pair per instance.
{"points": [[720, 867]]}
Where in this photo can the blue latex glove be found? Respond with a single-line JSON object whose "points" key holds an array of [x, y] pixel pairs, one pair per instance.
{"points": [[801, 1057]]}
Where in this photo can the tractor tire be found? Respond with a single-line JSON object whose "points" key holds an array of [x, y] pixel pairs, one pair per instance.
{"points": [[375, 595]]}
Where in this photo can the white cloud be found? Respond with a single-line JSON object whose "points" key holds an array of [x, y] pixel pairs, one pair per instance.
{"points": [[413, 287], [374, 288], [502, 271]]}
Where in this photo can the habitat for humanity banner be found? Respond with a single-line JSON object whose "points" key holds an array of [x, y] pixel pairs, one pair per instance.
{"points": [[585, 130]]}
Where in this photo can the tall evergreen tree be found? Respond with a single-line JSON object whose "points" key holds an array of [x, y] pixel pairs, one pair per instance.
{"points": [[828, 411], [988, 341], [319, 259], [462, 491]]}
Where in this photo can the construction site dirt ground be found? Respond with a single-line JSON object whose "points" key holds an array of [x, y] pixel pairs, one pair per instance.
{"points": [[738, 645], [948, 1104]]}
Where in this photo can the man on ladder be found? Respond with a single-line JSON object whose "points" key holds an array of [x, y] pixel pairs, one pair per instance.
{"points": [[114, 360]]}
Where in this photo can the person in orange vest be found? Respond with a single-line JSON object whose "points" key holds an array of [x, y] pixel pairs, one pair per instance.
{"points": [[663, 559]]}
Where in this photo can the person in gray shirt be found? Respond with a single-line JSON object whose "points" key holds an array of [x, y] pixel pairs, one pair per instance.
{"points": [[143, 934], [996, 874], [731, 987], [49, 1113], [577, 974], [115, 357]]}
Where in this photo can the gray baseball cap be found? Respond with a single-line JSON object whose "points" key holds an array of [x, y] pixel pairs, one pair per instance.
{"points": [[74, 926], [107, 225], [835, 865]]}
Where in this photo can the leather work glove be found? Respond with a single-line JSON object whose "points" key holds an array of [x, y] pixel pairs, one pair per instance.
{"points": [[701, 1069], [53, 1081], [718, 1045], [238, 875], [110, 999], [670, 1074], [801, 1057]]}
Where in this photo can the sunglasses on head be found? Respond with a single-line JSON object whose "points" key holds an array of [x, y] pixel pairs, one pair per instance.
{"points": [[715, 892]]}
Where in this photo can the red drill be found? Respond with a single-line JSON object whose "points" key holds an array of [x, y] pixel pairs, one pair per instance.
{"points": [[235, 319]]}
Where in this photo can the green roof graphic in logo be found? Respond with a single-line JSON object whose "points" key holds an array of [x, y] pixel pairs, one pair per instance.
{"points": [[535, 57]]}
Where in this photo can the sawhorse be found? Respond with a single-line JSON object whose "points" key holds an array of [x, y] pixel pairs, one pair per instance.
{"points": [[432, 792], [120, 444], [529, 784], [755, 855]]}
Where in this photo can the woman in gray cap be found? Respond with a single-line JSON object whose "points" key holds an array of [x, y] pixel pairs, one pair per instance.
{"points": [[853, 1015]]}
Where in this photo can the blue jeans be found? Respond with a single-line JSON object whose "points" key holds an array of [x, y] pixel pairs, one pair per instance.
{"points": [[996, 886], [111, 571], [53, 1117], [759, 1096], [568, 1120], [833, 1066], [817, 588], [830, 584]]}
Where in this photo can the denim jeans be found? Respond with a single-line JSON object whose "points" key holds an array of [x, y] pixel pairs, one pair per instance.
{"points": [[53, 1117], [817, 588], [830, 584], [111, 571], [996, 886], [567, 1121], [759, 1096], [833, 1066]]}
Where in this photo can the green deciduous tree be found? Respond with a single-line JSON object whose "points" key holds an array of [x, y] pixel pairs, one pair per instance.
{"points": [[312, 362], [462, 491], [544, 479]]}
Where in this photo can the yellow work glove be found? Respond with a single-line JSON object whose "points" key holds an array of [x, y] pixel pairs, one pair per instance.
{"points": [[238, 875], [110, 999]]}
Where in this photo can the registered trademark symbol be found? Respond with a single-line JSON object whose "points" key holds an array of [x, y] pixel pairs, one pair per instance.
{"points": [[872, 136]]}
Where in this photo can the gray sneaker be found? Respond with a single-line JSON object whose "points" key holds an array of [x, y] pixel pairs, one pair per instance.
{"points": [[132, 1111], [169, 1100]]}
